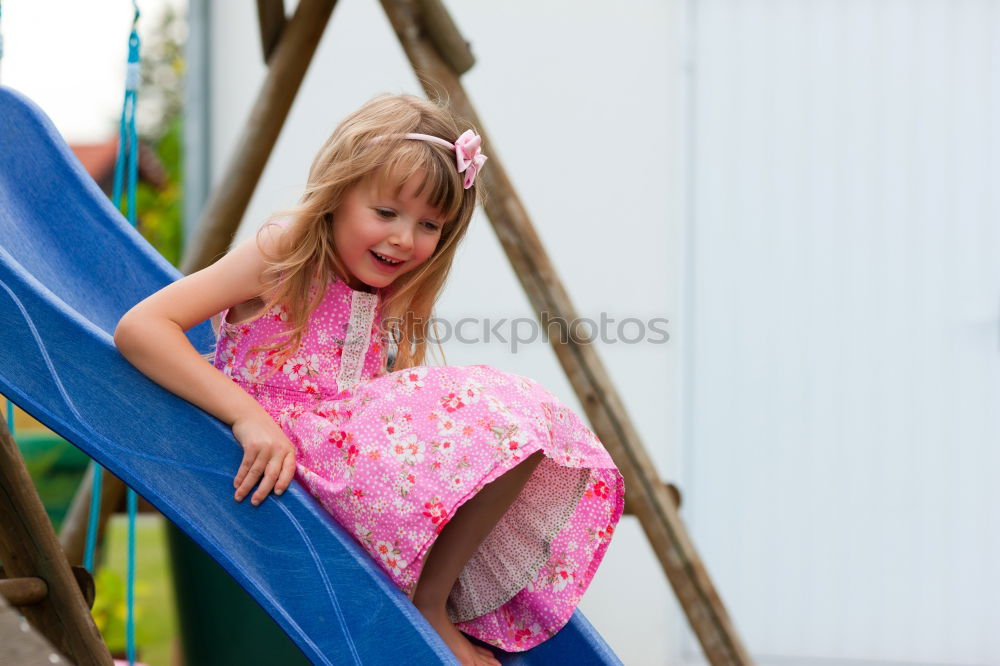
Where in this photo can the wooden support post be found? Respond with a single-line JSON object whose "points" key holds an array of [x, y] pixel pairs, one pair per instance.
{"points": [[23, 591], [83, 579], [73, 533], [672, 490], [29, 548], [271, 16], [32, 590], [649, 497], [447, 39], [229, 199]]}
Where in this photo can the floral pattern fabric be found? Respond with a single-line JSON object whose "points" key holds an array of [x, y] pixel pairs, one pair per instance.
{"points": [[393, 455]]}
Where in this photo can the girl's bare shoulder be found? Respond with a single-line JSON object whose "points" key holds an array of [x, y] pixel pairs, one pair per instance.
{"points": [[236, 278], [267, 243]]}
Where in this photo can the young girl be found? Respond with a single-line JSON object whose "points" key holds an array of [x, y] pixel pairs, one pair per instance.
{"points": [[482, 496]]}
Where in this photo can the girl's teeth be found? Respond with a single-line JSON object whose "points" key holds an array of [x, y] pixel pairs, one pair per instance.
{"points": [[386, 259]]}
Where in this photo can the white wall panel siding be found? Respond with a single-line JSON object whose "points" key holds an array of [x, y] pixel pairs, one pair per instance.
{"points": [[843, 351]]}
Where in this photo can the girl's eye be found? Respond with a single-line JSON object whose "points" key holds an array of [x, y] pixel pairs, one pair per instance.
{"points": [[385, 212], [431, 226]]}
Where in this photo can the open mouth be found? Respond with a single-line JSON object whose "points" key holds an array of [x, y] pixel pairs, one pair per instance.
{"points": [[384, 260]]}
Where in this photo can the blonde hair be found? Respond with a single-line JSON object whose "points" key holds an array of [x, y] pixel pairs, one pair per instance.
{"points": [[305, 254]]}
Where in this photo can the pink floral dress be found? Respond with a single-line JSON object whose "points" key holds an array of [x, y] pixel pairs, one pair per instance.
{"points": [[393, 455]]}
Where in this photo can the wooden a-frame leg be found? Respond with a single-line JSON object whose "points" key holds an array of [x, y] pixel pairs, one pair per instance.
{"points": [[29, 548], [648, 496]]}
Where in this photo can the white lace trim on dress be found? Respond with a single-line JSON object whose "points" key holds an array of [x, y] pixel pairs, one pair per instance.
{"points": [[511, 556], [357, 339]]}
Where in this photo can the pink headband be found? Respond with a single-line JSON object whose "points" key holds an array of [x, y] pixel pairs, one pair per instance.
{"points": [[468, 157]]}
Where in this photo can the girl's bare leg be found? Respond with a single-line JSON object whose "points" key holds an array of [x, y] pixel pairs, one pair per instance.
{"points": [[457, 542]]}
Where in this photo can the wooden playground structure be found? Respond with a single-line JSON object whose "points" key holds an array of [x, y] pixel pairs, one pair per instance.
{"points": [[55, 597]]}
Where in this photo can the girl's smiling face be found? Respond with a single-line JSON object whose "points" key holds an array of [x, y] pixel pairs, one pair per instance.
{"points": [[381, 234]]}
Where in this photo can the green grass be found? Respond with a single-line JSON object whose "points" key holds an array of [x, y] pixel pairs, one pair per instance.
{"points": [[155, 615]]}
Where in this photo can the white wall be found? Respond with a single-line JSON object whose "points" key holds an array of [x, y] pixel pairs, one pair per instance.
{"points": [[589, 82], [841, 304]]}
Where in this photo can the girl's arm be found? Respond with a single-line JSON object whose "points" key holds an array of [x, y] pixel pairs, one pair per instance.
{"points": [[151, 336]]}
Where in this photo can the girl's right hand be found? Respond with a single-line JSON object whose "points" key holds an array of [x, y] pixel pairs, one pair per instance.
{"points": [[268, 457]]}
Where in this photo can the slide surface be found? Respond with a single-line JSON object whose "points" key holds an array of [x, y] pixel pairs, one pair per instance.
{"points": [[70, 266]]}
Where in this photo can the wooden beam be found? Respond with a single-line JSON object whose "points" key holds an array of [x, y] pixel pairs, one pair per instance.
{"points": [[229, 200], [672, 490], [83, 579], [271, 16], [26, 591], [20, 644], [444, 34], [29, 548], [647, 495]]}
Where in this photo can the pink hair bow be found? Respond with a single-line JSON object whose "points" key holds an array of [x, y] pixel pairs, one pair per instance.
{"points": [[468, 157]]}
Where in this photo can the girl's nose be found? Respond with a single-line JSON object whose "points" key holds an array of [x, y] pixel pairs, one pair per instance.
{"points": [[403, 238]]}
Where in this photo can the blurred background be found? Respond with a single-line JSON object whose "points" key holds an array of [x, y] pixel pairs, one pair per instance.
{"points": [[805, 190]]}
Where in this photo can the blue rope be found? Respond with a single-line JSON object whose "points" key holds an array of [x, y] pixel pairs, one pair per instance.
{"points": [[95, 514], [128, 142], [128, 153], [133, 78], [130, 622]]}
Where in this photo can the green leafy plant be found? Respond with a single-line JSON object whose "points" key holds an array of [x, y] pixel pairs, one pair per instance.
{"points": [[110, 612], [161, 210], [160, 119]]}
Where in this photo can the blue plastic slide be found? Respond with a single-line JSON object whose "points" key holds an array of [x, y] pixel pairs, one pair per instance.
{"points": [[70, 266]]}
